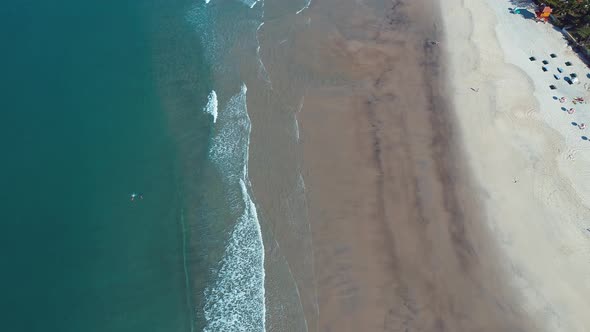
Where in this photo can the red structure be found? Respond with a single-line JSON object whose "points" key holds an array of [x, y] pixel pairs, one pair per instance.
{"points": [[543, 13]]}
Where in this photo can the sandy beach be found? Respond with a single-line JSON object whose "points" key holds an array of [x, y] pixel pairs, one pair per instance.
{"points": [[400, 240], [444, 187], [528, 155]]}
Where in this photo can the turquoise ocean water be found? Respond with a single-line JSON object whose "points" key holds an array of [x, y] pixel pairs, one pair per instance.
{"points": [[82, 129], [105, 98]]}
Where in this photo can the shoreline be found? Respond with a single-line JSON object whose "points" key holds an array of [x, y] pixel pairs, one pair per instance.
{"points": [[525, 155]]}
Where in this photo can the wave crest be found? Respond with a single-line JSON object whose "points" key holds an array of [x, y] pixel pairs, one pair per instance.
{"points": [[235, 301], [211, 107]]}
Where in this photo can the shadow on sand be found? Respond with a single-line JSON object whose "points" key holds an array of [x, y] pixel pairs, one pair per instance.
{"points": [[525, 13]]}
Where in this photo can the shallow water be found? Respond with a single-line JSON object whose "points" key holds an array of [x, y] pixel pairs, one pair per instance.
{"points": [[240, 277]]}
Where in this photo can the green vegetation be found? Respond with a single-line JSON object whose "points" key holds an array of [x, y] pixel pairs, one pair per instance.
{"points": [[564, 7], [573, 14], [584, 34]]}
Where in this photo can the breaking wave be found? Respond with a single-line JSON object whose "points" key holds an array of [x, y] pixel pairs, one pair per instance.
{"points": [[235, 301], [211, 107], [304, 7]]}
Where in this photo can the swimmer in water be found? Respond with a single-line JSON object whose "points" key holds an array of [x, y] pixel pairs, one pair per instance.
{"points": [[134, 196]]}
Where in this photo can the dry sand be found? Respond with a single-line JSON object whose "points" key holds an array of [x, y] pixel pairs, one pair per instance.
{"points": [[514, 129], [400, 243]]}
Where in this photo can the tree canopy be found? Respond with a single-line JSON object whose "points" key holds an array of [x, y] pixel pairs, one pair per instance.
{"points": [[574, 14]]}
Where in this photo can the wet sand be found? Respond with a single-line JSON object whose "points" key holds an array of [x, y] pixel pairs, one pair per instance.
{"points": [[399, 240]]}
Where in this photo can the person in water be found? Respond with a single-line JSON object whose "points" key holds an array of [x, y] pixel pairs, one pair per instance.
{"points": [[134, 196]]}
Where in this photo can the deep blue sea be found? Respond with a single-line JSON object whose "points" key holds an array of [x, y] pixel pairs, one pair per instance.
{"points": [[102, 99]]}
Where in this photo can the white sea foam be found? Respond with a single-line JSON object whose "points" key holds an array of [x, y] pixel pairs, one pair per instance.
{"points": [[296, 127], [300, 182], [301, 104], [229, 149], [249, 3], [297, 136], [262, 73], [304, 7], [203, 19], [235, 301], [211, 107]]}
